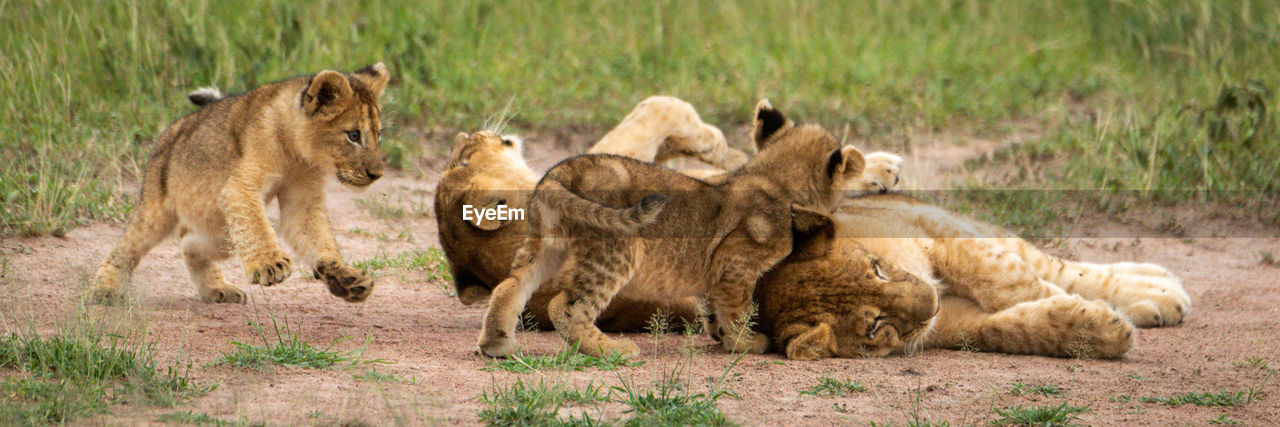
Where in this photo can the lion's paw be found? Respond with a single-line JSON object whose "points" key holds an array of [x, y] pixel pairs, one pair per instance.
{"points": [[268, 268], [880, 175], [223, 294], [345, 282]]}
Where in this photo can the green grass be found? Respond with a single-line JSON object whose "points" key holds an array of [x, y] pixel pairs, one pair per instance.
{"points": [[431, 261], [526, 404], [287, 348], [373, 376], [568, 359], [1222, 398], [61, 378], [1224, 419], [1045, 415], [1022, 389], [1140, 95], [671, 402], [190, 417], [830, 386]]}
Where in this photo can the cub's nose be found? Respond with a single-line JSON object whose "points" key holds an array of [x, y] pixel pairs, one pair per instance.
{"points": [[373, 175]]}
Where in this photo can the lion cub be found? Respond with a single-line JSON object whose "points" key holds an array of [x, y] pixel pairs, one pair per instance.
{"points": [[606, 225], [214, 170]]}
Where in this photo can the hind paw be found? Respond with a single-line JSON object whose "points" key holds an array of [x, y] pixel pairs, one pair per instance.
{"points": [[268, 268]]}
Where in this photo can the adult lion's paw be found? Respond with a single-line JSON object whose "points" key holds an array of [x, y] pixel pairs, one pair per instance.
{"points": [[879, 176], [268, 268], [345, 282]]}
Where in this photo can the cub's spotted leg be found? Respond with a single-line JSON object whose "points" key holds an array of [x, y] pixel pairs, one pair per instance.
{"points": [[305, 225], [537, 260], [200, 252], [1060, 326], [151, 223], [601, 267], [983, 270]]}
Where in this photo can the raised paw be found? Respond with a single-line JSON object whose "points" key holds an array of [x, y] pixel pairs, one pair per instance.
{"points": [[223, 294], [268, 268], [879, 176], [345, 282]]}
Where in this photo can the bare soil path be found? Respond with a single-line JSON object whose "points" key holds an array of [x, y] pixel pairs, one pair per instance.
{"points": [[428, 337]]}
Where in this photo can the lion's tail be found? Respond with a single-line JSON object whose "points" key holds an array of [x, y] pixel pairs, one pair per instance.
{"points": [[204, 96], [575, 209]]}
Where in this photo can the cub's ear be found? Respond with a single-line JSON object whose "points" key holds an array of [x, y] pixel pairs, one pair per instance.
{"points": [[811, 233], [816, 343], [375, 76], [845, 163], [326, 95], [769, 122]]}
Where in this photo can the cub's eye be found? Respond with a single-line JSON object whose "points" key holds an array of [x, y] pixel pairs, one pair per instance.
{"points": [[507, 142], [353, 136], [875, 266]]}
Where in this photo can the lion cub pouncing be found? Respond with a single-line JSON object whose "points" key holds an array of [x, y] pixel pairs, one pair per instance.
{"points": [[604, 225], [998, 292], [214, 170]]}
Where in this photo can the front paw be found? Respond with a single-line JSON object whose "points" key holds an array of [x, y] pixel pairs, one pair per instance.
{"points": [[345, 282], [753, 343], [880, 174], [268, 268]]}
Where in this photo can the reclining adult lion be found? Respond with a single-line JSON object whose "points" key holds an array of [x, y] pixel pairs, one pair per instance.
{"points": [[864, 286]]}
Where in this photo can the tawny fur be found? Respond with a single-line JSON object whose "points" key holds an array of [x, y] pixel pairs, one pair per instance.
{"points": [[662, 128], [998, 292], [601, 225], [213, 172]]}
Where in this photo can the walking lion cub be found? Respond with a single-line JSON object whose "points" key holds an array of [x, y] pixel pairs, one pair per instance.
{"points": [[214, 170], [601, 226]]}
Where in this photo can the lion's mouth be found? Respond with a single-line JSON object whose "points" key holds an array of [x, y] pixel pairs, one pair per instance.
{"points": [[353, 179]]}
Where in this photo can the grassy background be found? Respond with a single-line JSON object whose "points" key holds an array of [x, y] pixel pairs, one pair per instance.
{"points": [[1121, 94]]}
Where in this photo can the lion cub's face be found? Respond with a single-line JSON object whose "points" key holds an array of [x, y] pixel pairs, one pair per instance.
{"points": [[344, 123], [833, 298], [487, 150]]}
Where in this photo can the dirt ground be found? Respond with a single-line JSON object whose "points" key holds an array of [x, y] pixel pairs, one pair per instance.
{"points": [[427, 336]]}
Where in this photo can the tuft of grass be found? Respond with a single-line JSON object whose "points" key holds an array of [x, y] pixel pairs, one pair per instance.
{"points": [[830, 386], [287, 348], [540, 404], [61, 378], [1224, 419], [1047, 415], [1022, 389], [191, 417], [1222, 398], [431, 261], [1268, 258], [670, 402], [568, 359], [372, 375]]}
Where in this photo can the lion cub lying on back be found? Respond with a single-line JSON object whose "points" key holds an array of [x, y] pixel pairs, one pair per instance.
{"points": [[213, 171], [603, 225], [864, 288]]}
